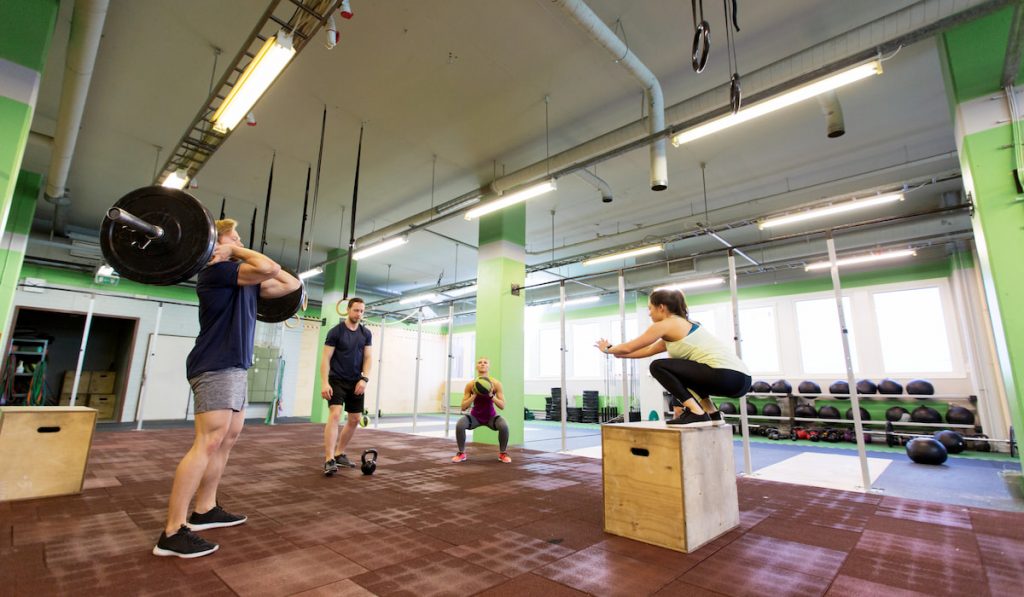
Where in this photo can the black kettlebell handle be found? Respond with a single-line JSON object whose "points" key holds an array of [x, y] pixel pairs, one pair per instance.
{"points": [[369, 451]]}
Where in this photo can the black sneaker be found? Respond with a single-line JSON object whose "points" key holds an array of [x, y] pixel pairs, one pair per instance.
{"points": [[330, 468], [183, 544], [717, 418], [214, 519], [691, 420], [342, 460]]}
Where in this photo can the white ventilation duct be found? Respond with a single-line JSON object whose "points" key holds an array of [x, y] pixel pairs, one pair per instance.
{"points": [[593, 25], [83, 45], [835, 126], [597, 182]]}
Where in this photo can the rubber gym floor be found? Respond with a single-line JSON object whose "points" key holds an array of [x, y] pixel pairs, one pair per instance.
{"points": [[424, 526]]}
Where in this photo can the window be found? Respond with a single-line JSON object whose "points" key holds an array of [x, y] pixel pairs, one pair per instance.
{"points": [[464, 353], [706, 318], [586, 360], [912, 329], [821, 348], [760, 341], [550, 352]]}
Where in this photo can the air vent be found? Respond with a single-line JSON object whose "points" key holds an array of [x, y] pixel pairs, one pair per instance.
{"points": [[682, 266]]}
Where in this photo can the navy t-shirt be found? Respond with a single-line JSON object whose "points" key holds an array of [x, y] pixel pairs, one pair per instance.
{"points": [[227, 320], [347, 361]]}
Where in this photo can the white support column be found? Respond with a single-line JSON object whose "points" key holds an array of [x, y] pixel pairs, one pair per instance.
{"points": [[858, 427], [81, 349], [625, 364], [145, 373], [448, 373], [561, 294], [380, 369], [738, 339], [416, 385]]}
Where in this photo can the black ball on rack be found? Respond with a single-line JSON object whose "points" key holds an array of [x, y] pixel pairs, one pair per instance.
{"points": [[864, 414], [771, 410], [805, 411], [978, 443], [866, 386], [760, 387], [809, 389], [958, 415], [897, 414], [828, 412], [920, 387], [727, 408], [926, 450], [925, 414], [751, 409], [953, 441], [840, 388], [889, 386], [782, 387]]}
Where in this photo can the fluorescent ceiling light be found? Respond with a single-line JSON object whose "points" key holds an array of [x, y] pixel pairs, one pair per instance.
{"points": [[176, 180], [436, 320], [861, 259], [581, 301], [461, 291], [254, 81], [512, 198], [832, 210], [702, 283], [420, 298], [780, 101], [380, 247], [316, 271], [625, 254]]}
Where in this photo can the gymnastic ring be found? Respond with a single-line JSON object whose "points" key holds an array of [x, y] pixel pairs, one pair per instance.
{"points": [[701, 47], [288, 322], [735, 93], [337, 308]]}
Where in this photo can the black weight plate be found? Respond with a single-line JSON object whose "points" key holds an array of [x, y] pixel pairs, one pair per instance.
{"points": [[282, 308], [184, 249]]}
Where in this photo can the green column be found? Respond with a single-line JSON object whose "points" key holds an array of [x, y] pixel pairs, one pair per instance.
{"points": [[14, 242], [499, 313], [972, 57], [334, 291], [26, 27]]}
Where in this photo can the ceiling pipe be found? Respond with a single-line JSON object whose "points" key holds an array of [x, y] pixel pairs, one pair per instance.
{"points": [[592, 24], [83, 45], [911, 24], [597, 182], [835, 126]]}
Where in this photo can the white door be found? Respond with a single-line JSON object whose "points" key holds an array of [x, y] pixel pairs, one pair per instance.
{"points": [[165, 389]]}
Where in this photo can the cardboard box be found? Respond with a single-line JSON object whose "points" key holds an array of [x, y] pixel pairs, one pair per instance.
{"points": [[69, 382], [669, 486], [44, 450], [82, 400], [101, 382], [105, 404]]}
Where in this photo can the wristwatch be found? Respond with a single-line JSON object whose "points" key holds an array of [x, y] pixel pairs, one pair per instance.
{"points": [[364, 378]]}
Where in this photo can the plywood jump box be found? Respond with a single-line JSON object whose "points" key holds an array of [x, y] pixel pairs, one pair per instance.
{"points": [[43, 450], [669, 486]]}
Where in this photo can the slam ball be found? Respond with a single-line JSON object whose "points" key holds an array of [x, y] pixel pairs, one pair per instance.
{"points": [[951, 440], [926, 450]]}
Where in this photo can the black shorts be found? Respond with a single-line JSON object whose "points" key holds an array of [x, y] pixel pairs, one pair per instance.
{"points": [[344, 395]]}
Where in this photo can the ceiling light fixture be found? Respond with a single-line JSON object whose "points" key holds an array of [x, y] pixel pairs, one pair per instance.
{"points": [[380, 247], [831, 210], [176, 180], [625, 254], [512, 198], [260, 73], [316, 271], [858, 259], [780, 101], [461, 291], [702, 283], [428, 297]]}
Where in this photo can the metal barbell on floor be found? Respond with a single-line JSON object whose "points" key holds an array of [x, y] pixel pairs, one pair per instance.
{"points": [[163, 236]]}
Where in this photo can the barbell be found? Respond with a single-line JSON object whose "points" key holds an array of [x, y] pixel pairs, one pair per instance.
{"points": [[162, 236]]}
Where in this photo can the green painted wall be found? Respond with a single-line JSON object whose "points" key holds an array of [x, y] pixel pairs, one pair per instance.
{"points": [[12, 255], [508, 224], [978, 49], [334, 287], [26, 27]]}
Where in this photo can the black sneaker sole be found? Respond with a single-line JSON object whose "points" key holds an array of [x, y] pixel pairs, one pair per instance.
{"points": [[329, 473], [158, 551], [214, 525], [695, 424]]}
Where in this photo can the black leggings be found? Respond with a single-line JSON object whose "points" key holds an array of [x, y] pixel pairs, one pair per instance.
{"points": [[470, 422], [683, 379]]}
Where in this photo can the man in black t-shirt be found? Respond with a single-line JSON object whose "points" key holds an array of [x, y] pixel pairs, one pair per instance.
{"points": [[216, 369], [344, 373]]}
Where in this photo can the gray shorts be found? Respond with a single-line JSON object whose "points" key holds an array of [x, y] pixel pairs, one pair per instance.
{"points": [[223, 389]]}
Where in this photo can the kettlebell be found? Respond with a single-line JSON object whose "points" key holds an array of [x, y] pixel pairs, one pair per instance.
{"points": [[369, 465]]}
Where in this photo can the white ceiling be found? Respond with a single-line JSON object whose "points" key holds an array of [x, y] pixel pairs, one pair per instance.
{"points": [[466, 82]]}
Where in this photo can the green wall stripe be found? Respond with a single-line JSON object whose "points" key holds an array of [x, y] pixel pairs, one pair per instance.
{"points": [[974, 53], [507, 224], [26, 27]]}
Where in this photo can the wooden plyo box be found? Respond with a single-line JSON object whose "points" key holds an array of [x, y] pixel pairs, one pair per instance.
{"points": [[669, 486], [43, 450]]}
